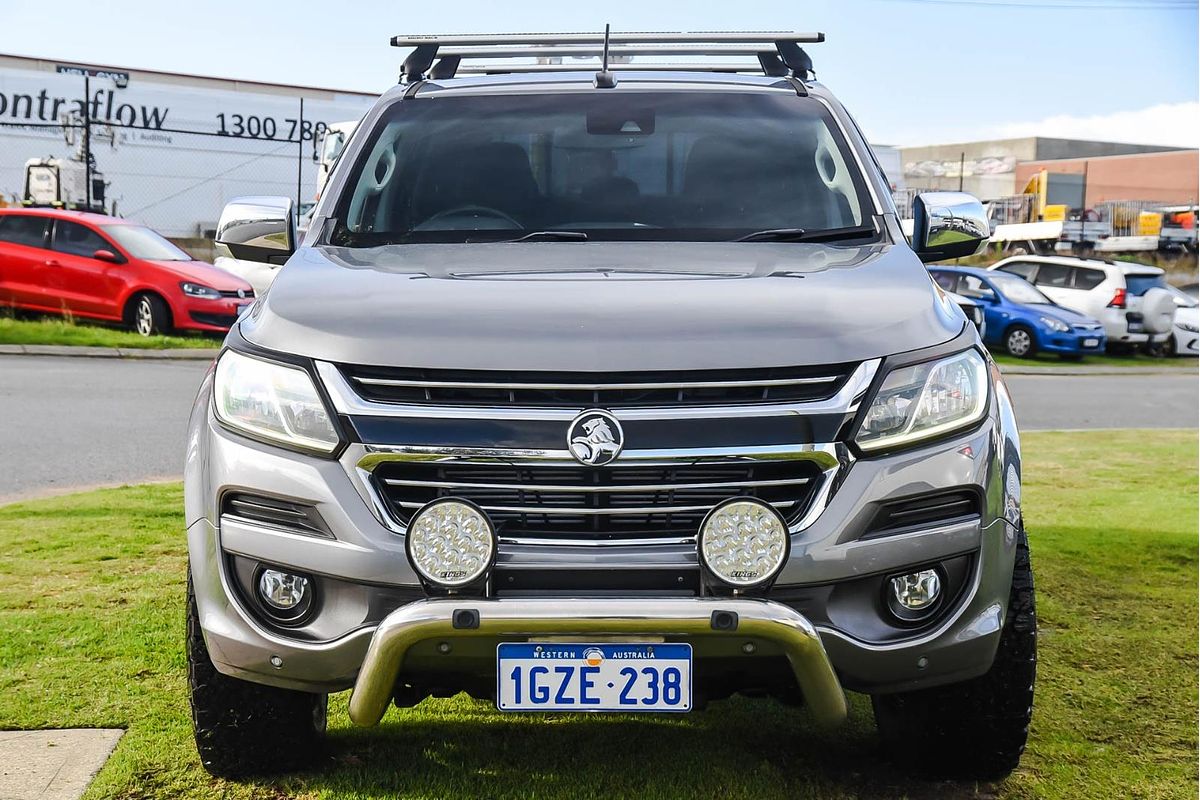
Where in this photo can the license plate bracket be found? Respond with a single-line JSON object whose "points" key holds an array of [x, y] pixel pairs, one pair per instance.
{"points": [[603, 676]]}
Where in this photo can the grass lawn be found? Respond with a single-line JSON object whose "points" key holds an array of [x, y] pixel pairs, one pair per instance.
{"points": [[91, 634], [73, 332], [1051, 360]]}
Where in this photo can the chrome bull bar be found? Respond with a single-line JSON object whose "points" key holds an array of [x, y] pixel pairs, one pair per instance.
{"points": [[694, 618]]}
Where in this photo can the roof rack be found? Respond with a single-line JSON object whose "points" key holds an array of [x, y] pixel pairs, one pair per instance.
{"points": [[778, 52]]}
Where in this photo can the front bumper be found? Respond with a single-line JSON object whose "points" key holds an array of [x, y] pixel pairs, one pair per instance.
{"points": [[1072, 342], [212, 316], [696, 620], [364, 556]]}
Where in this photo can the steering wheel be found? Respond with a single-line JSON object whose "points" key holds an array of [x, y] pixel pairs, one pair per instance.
{"points": [[476, 211]]}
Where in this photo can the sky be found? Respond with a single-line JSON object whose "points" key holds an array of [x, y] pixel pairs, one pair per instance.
{"points": [[911, 71]]}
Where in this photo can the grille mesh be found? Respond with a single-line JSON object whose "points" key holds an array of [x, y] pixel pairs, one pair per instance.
{"points": [[598, 503]]}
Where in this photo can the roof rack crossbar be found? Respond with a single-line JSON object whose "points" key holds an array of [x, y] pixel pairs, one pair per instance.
{"points": [[778, 52], [597, 38], [592, 66]]}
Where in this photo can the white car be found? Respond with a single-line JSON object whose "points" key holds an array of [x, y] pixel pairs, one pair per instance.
{"points": [[257, 275], [1185, 336], [1132, 300]]}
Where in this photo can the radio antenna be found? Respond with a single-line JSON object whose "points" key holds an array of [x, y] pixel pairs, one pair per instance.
{"points": [[604, 78]]}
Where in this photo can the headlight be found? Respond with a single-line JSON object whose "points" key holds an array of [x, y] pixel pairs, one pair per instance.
{"points": [[1187, 326], [925, 400], [744, 542], [200, 290], [1055, 325], [272, 401], [451, 542]]}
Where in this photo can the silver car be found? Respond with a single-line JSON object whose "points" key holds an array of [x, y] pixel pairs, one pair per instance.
{"points": [[614, 389]]}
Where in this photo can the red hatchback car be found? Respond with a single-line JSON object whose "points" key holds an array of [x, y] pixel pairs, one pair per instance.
{"points": [[104, 268]]}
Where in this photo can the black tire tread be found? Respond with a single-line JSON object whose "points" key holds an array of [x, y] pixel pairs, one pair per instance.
{"points": [[976, 729], [243, 728]]}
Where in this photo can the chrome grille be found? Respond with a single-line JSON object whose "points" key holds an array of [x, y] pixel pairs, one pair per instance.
{"points": [[569, 501], [579, 390]]}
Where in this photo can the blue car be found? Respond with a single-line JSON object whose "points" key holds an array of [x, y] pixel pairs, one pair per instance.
{"points": [[1019, 318]]}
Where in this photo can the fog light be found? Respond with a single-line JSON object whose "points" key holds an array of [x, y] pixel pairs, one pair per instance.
{"points": [[451, 542], [743, 542], [915, 595], [282, 590], [285, 596]]}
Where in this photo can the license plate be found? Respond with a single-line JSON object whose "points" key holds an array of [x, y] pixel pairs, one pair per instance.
{"points": [[1091, 342], [1135, 327], [242, 307], [593, 677]]}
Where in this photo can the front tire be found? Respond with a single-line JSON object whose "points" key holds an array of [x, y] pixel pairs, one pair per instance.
{"points": [[148, 315], [1020, 342], [245, 728], [976, 729]]}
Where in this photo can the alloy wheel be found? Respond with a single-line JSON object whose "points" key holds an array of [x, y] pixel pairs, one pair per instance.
{"points": [[145, 317]]}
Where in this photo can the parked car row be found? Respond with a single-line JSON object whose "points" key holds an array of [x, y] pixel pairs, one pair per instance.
{"points": [[98, 267], [1073, 307]]}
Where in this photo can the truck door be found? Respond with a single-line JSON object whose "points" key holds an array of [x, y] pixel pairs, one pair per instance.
{"points": [[22, 251], [76, 275]]}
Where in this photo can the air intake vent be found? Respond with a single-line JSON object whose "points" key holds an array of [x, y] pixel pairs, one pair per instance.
{"points": [[931, 509], [276, 513]]}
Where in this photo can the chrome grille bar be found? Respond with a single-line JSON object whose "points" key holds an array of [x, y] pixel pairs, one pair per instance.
{"points": [[605, 489], [593, 387]]}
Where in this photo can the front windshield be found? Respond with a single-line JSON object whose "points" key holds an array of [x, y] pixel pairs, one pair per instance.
{"points": [[611, 165], [1019, 290], [144, 243]]}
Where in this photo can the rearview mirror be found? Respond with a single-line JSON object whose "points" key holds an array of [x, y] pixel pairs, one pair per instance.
{"points": [[107, 255], [259, 229], [948, 225]]}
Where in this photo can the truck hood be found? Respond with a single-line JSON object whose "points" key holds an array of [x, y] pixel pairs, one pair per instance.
{"points": [[601, 306]]}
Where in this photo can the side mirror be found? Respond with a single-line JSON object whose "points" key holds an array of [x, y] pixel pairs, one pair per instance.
{"points": [[948, 225], [107, 255], [259, 229]]}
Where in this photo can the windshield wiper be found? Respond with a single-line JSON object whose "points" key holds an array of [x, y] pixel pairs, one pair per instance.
{"points": [[802, 235], [535, 236]]}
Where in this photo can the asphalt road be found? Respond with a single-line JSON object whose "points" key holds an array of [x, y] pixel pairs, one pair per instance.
{"points": [[74, 423]]}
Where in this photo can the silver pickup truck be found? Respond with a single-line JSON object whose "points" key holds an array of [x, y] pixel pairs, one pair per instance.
{"points": [[610, 388]]}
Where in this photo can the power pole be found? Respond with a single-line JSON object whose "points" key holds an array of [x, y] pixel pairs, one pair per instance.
{"points": [[87, 139], [299, 160], [1083, 203], [962, 168]]}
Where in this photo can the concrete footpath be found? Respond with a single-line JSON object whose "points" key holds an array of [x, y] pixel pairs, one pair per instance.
{"points": [[52, 765]]}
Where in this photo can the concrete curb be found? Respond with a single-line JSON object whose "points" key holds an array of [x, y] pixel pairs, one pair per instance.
{"points": [[179, 354]]}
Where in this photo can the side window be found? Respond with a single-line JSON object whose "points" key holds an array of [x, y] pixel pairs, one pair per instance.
{"points": [[976, 289], [1088, 278], [23, 229], [1023, 268], [946, 280], [77, 240], [1056, 276]]}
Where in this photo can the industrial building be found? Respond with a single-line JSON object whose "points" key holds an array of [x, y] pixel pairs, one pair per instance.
{"points": [[1002, 167]]}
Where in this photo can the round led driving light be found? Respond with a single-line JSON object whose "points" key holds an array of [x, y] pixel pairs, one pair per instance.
{"points": [[451, 542], [744, 542]]}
